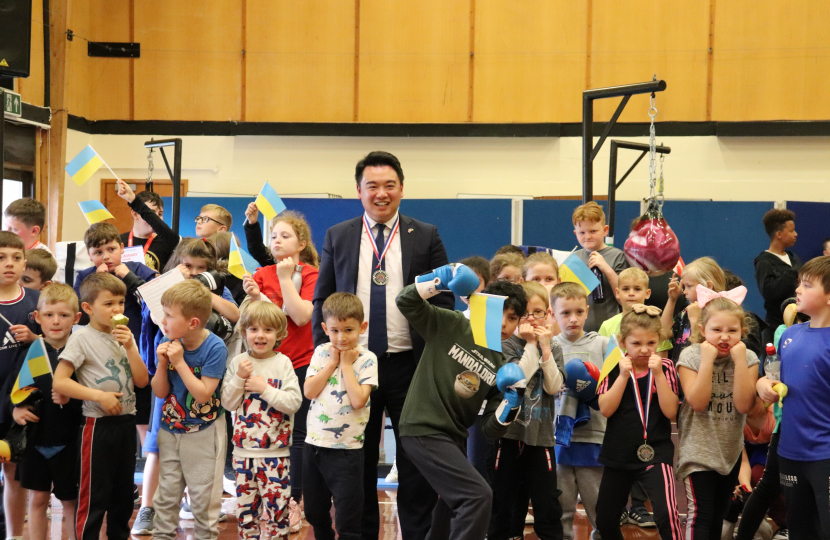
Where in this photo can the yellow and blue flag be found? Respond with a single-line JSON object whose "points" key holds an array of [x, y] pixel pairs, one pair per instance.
{"points": [[84, 165], [486, 311], [35, 365], [269, 203], [612, 357], [94, 211], [240, 261]]}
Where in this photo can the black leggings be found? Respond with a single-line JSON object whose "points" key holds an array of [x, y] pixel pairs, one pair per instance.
{"points": [[762, 497], [525, 472], [806, 486], [708, 495], [298, 441], [614, 488]]}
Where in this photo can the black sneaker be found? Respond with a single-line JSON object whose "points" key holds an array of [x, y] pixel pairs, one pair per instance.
{"points": [[641, 519], [781, 534], [623, 518]]}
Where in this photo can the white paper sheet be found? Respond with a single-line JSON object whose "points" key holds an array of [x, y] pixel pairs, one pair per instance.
{"points": [[152, 291]]}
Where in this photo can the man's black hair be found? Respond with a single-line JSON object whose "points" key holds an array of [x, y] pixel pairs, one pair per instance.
{"points": [[516, 297], [150, 197], [375, 159]]}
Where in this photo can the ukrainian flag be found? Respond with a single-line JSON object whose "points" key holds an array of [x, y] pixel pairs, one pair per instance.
{"points": [[35, 365], [84, 165], [612, 357], [94, 211], [239, 261], [486, 311], [269, 203], [573, 270]]}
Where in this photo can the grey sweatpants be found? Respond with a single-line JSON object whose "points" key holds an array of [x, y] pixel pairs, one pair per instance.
{"points": [[584, 481], [195, 460], [463, 511]]}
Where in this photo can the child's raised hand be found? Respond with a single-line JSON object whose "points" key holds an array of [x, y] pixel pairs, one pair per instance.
{"points": [[102, 268], [252, 213], [543, 336], [110, 402], [184, 270], [250, 287], [59, 399], [161, 353], [245, 369], [175, 352], [738, 353], [122, 335], [708, 352], [675, 289], [23, 415], [765, 391], [22, 333], [125, 191], [285, 268], [655, 364], [526, 333], [597, 261], [334, 355], [349, 357], [626, 367], [256, 383], [121, 270]]}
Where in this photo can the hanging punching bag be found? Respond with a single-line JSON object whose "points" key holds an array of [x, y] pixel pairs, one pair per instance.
{"points": [[652, 246]]}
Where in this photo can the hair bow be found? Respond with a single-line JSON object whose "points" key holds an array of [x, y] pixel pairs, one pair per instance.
{"points": [[651, 311], [706, 295]]}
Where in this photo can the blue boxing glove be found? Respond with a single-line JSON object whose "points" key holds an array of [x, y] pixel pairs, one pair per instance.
{"points": [[457, 278], [581, 378], [510, 380]]}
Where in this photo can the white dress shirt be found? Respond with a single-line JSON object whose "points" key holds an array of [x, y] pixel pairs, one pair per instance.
{"points": [[397, 327]]}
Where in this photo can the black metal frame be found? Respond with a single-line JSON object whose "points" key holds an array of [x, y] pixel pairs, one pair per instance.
{"points": [[175, 174], [2, 141], [613, 183], [589, 151]]}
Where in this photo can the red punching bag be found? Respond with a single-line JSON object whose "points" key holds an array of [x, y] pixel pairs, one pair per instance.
{"points": [[652, 246]]}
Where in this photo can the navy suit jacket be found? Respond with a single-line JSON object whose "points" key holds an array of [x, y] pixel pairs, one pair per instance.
{"points": [[421, 251]]}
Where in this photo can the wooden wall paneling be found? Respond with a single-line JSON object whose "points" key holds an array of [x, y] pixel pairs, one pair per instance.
{"points": [[56, 154], [109, 78], [31, 88], [414, 61], [77, 60], [300, 60], [771, 61], [632, 40], [529, 60], [190, 67]]}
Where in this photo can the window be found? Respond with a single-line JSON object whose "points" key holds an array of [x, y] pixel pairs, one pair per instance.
{"points": [[16, 185]]}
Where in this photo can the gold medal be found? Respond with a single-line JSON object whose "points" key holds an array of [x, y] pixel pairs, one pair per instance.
{"points": [[380, 277], [645, 452]]}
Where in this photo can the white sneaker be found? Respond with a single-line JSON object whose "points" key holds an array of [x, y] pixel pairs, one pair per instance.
{"points": [[229, 486], [392, 477], [529, 519]]}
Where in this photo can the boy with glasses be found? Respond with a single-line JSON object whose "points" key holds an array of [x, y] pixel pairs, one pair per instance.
{"points": [[212, 219]]}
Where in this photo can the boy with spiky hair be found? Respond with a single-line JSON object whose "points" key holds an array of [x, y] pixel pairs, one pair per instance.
{"points": [[25, 218]]}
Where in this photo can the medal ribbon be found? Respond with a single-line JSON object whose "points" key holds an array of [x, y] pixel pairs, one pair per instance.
{"points": [[147, 244], [643, 417], [368, 230]]}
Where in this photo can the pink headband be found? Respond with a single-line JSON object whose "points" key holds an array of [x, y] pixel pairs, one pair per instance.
{"points": [[706, 295]]}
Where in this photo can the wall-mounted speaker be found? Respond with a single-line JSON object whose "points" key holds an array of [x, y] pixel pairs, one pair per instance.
{"points": [[15, 37]]}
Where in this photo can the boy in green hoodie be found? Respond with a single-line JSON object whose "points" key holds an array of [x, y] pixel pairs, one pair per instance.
{"points": [[454, 377]]}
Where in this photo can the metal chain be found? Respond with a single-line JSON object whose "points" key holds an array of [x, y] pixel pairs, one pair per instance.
{"points": [[652, 113], [150, 166], [660, 184]]}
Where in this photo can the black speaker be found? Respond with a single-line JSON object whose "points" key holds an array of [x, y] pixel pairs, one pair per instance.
{"points": [[15, 37]]}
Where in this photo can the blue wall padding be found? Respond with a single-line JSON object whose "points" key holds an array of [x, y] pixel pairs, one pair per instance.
{"points": [[731, 232], [467, 226], [812, 223]]}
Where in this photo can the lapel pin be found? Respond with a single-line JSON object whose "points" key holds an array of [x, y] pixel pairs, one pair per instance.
{"points": [[410, 230]]}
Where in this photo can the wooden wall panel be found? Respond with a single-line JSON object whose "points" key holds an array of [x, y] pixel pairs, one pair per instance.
{"points": [[632, 40], [109, 78], [529, 60], [31, 88], [191, 58], [300, 61], [77, 61], [771, 61], [414, 61]]}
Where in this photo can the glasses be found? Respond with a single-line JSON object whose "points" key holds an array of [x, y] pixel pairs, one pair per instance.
{"points": [[538, 314], [204, 219]]}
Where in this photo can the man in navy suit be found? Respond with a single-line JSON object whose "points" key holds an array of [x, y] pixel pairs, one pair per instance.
{"points": [[375, 256]]}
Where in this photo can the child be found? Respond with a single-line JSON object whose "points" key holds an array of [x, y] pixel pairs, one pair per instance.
{"points": [[526, 456], [191, 442], [341, 376], [507, 267], [481, 267], [703, 271], [453, 378], [18, 306], [541, 267], [107, 366], [222, 243], [259, 251], [289, 284], [578, 469], [212, 219], [25, 218], [40, 269], [632, 289], [776, 268], [149, 229], [605, 261], [638, 445], [718, 376], [263, 389], [50, 462], [803, 449], [105, 249]]}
